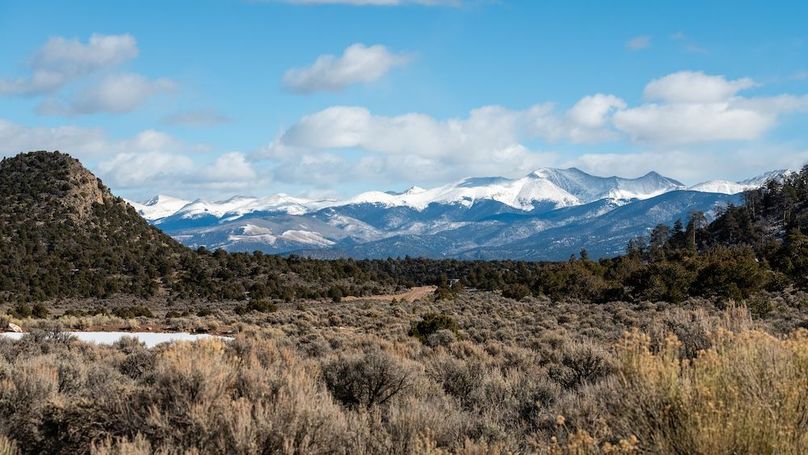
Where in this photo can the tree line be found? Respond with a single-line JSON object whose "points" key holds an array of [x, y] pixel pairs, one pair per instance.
{"points": [[46, 254]]}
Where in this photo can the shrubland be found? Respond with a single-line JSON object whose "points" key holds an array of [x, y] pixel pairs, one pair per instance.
{"points": [[494, 375]]}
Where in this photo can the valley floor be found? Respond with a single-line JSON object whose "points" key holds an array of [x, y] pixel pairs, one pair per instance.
{"points": [[474, 373]]}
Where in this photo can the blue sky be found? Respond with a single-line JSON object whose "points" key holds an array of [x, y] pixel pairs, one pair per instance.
{"points": [[212, 98]]}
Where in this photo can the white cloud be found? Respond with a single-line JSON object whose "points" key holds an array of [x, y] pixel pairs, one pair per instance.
{"points": [[588, 120], [682, 109], [694, 87], [86, 143], [151, 141], [229, 167], [355, 127], [412, 146], [62, 60], [592, 111], [117, 93], [320, 169], [639, 42], [484, 132], [689, 123], [146, 160], [135, 169], [691, 107], [82, 142], [73, 56], [357, 64], [178, 171]]}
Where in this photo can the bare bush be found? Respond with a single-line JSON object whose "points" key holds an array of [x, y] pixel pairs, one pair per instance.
{"points": [[367, 379]]}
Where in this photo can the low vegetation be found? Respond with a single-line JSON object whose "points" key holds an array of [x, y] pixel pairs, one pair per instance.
{"points": [[529, 376]]}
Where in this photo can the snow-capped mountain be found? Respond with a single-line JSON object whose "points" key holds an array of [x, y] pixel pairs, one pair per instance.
{"points": [[728, 187], [561, 187], [546, 214], [238, 206], [159, 206]]}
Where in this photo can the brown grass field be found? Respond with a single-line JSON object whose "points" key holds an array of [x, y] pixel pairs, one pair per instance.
{"points": [[505, 376]]}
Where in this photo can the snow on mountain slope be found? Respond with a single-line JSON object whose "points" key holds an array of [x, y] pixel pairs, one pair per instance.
{"points": [[251, 233], [306, 237], [547, 214], [238, 206], [722, 186], [562, 187], [158, 207], [200, 207], [763, 179], [728, 187], [589, 188], [547, 188], [520, 193]]}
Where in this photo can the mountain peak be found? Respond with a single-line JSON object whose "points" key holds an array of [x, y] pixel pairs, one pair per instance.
{"points": [[159, 206], [48, 181]]}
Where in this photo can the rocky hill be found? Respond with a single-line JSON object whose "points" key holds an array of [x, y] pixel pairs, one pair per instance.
{"points": [[63, 233]]}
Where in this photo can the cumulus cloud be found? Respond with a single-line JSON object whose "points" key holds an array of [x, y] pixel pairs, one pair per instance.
{"points": [[117, 93], [682, 109], [639, 42], [229, 168], [86, 143], [484, 130], [176, 170], [61, 60], [694, 87], [357, 64], [684, 127], [135, 169], [147, 160], [587, 121], [83, 142], [413, 146], [688, 123], [85, 71], [155, 158], [692, 107]]}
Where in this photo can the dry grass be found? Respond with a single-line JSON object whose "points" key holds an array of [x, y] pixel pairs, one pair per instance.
{"points": [[533, 376], [746, 394]]}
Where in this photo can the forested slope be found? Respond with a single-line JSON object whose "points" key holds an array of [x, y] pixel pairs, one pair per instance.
{"points": [[63, 234]]}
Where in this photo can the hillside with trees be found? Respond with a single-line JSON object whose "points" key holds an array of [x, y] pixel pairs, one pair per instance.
{"points": [[63, 234]]}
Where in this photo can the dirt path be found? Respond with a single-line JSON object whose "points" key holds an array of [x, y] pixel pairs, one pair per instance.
{"points": [[410, 295]]}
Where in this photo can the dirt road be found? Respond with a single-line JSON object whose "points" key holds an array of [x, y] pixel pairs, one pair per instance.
{"points": [[410, 295]]}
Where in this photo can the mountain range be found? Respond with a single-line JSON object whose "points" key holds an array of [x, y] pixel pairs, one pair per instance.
{"points": [[548, 214]]}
